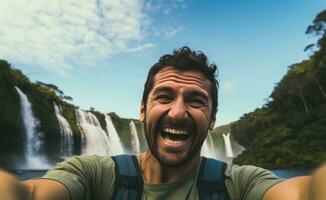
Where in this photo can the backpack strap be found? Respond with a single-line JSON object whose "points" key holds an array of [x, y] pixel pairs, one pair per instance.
{"points": [[128, 178], [211, 180]]}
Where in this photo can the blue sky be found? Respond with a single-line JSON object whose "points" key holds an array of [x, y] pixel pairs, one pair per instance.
{"points": [[99, 52]]}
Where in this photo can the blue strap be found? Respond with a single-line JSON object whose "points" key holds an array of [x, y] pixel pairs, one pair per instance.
{"points": [[211, 181], [128, 182]]}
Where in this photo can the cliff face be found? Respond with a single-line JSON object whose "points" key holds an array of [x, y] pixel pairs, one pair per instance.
{"points": [[10, 118], [282, 134], [42, 98], [61, 129], [123, 128]]}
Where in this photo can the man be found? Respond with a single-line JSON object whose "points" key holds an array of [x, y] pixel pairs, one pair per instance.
{"points": [[178, 108]]}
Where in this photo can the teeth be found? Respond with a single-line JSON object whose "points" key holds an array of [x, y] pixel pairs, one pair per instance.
{"points": [[172, 141], [176, 132]]}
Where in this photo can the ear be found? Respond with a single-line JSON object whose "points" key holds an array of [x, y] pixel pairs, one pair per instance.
{"points": [[142, 113], [212, 122]]}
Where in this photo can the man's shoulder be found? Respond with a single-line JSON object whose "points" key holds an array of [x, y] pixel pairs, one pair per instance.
{"points": [[245, 170], [90, 157], [248, 181], [90, 163], [85, 173]]}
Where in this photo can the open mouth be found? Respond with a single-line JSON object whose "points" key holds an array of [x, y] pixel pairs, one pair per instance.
{"points": [[175, 136]]}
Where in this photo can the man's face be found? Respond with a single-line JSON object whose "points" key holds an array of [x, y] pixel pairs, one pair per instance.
{"points": [[177, 116]]}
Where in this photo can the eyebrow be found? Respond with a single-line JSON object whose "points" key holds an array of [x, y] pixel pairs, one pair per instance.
{"points": [[163, 89], [199, 94], [168, 89]]}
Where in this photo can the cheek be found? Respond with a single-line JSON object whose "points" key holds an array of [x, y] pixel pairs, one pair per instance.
{"points": [[153, 114], [155, 110], [202, 117]]}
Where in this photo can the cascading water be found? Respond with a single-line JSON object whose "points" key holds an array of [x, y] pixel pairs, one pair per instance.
{"points": [[207, 148], [96, 139], [237, 148], [204, 149], [211, 150], [210, 141], [34, 159], [134, 138], [228, 148], [115, 143], [67, 141]]}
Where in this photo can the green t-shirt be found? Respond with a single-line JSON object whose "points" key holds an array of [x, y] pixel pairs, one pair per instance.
{"points": [[92, 178]]}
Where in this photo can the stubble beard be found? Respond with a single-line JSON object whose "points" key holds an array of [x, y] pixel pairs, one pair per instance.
{"points": [[152, 146]]}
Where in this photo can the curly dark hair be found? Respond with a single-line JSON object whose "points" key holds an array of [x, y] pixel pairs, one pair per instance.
{"points": [[185, 59]]}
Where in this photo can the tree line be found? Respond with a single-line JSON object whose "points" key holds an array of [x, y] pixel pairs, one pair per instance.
{"points": [[289, 131]]}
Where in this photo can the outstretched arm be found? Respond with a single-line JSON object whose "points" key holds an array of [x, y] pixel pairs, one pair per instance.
{"points": [[300, 188], [290, 189], [317, 190], [38, 189]]}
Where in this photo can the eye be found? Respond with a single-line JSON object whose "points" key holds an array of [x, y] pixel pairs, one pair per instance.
{"points": [[164, 98], [197, 103]]}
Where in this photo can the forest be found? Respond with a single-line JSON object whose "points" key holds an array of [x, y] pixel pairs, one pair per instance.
{"points": [[289, 131]]}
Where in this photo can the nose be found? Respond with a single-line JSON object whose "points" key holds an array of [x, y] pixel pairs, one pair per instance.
{"points": [[177, 110]]}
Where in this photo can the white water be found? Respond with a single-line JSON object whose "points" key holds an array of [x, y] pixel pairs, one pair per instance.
{"points": [[115, 143], [228, 148], [66, 141], [204, 149], [237, 148], [96, 139], [208, 148], [134, 138], [34, 159]]}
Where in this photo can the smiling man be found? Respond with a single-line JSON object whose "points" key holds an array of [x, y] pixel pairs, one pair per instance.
{"points": [[178, 108], [177, 115]]}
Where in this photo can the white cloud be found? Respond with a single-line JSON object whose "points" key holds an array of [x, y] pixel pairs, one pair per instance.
{"points": [[228, 86], [171, 31], [141, 47], [61, 34], [166, 13]]}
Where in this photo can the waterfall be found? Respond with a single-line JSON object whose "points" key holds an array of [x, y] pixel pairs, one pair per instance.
{"points": [[208, 147], [204, 149], [115, 143], [33, 143], [96, 139], [66, 145], [134, 138], [237, 148], [228, 147]]}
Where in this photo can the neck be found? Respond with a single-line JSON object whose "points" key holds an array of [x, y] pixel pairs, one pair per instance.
{"points": [[154, 172]]}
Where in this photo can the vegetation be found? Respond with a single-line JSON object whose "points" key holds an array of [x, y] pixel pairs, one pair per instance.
{"points": [[10, 119], [43, 96], [221, 130], [122, 125], [100, 117], [289, 131]]}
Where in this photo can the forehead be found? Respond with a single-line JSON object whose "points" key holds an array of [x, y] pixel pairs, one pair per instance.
{"points": [[192, 77]]}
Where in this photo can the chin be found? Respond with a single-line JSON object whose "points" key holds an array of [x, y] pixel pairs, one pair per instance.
{"points": [[174, 161]]}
